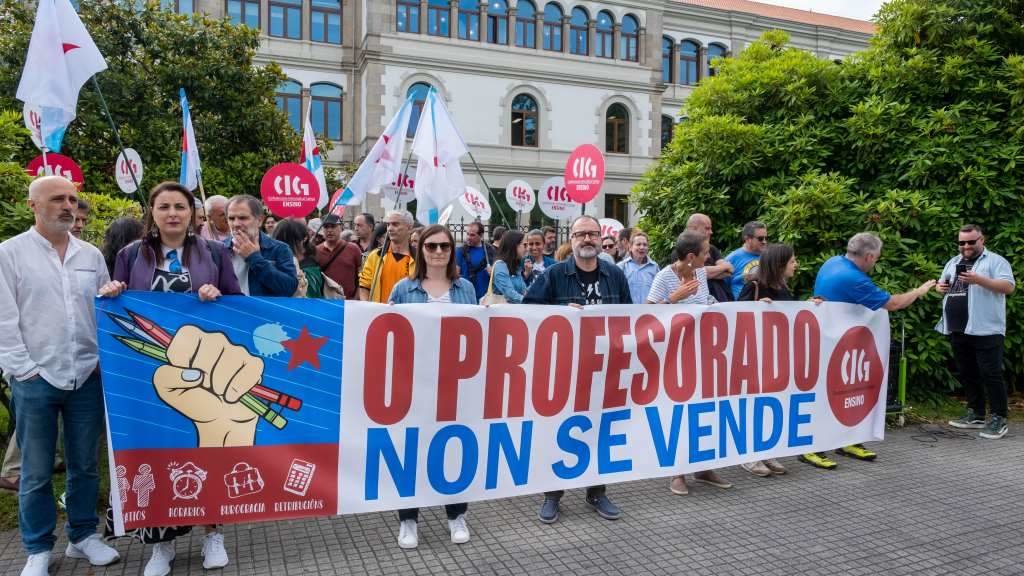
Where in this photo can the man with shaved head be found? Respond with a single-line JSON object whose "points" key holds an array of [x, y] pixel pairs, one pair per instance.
{"points": [[718, 269], [48, 279]]}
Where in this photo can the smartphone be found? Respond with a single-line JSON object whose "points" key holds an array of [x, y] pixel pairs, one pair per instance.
{"points": [[960, 269]]}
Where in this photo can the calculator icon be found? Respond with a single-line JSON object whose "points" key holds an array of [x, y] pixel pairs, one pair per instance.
{"points": [[300, 476]]}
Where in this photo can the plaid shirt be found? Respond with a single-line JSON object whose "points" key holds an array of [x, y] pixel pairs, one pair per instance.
{"points": [[561, 286]]}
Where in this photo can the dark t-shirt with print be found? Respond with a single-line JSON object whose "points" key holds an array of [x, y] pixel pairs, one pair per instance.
{"points": [[956, 302], [718, 287], [590, 284]]}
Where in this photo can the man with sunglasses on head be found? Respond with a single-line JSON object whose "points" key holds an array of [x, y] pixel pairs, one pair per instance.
{"points": [[745, 259], [975, 284], [583, 279]]}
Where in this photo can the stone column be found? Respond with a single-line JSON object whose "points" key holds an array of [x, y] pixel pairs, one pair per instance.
{"points": [[616, 41], [453, 19], [565, 34], [539, 29], [590, 36], [304, 32], [423, 16], [483, 22], [675, 63], [641, 45], [512, 26]]}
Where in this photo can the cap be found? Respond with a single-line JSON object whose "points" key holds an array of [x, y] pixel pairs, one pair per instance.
{"points": [[332, 219]]}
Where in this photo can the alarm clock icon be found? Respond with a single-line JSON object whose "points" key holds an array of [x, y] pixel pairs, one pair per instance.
{"points": [[187, 481]]}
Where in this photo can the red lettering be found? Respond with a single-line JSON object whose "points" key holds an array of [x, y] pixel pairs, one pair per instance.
{"points": [[589, 362], [452, 366], [507, 346], [618, 360], [648, 328], [806, 350], [398, 330], [775, 355], [744, 356], [681, 356], [551, 394], [714, 335]]}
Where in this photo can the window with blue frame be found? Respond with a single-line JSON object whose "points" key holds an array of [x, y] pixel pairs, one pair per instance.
{"points": [[667, 125], [286, 18], [526, 25], [604, 35], [629, 41], [325, 21], [289, 100], [715, 51], [179, 6], [524, 121], [325, 114], [667, 45], [469, 20], [408, 15], [497, 22], [437, 18], [418, 91], [553, 27], [578, 32], [689, 62], [244, 12]]}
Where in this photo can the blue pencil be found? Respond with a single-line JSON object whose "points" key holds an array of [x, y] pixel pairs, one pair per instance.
{"points": [[127, 325]]}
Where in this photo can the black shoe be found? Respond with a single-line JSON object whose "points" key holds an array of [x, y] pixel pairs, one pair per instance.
{"points": [[604, 507]]}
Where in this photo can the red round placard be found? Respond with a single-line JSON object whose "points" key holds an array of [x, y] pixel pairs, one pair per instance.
{"points": [[289, 190]]}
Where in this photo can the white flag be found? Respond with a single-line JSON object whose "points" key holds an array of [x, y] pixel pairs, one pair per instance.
{"points": [[61, 58], [312, 161], [438, 148], [383, 164]]}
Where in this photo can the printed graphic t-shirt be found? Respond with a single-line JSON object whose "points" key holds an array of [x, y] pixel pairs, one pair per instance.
{"points": [[957, 300]]}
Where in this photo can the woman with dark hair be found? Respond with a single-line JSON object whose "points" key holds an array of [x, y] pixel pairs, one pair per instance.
{"points": [[436, 281], [380, 231], [170, 257], [778, 264], [509, 267], [496, 234], [119, 234], [311, 278], [269, 223]]}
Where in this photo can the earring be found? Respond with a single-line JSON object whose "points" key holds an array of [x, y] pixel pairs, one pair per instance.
{"points": [[154, 233]]}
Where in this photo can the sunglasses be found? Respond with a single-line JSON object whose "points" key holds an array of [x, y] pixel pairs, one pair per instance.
{"points": [[437, 246], [608, 246], [968, 242], [761, 239]]}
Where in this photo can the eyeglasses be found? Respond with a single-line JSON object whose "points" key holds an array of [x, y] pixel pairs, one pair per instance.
{"points": [[968, 242], [608, 246], [586, 234], [437, 246], [761, 239]]}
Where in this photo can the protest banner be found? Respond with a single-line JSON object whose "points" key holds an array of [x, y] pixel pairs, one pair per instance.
{"points": [[289, 190], [442, 404], [57, 165], [128, 170], [554, 200]]}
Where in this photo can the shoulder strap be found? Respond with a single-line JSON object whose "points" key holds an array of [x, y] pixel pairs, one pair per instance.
{"points": [[337, 251]]}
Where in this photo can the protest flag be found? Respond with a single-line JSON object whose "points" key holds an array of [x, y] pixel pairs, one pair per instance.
{"points": [[383, 164], [438, 148], [191, 171], [312, 161]]}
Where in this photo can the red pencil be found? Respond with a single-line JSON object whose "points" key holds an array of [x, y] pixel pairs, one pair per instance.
{"points": [[149, 327], [270, 395]]}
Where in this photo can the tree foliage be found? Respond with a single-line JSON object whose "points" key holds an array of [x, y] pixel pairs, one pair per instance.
{"points": [[916, 135], [15, 216]]}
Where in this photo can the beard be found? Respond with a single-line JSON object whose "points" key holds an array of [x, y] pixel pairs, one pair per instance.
{"points": [[585, 251]]}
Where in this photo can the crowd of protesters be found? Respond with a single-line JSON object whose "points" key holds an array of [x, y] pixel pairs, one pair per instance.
{"points": [[48, 278]]}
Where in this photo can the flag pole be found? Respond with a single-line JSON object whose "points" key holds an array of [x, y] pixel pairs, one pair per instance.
{"points": [[46, 164], [387, 238], [494, 200], [117, 138], [202, 191]]}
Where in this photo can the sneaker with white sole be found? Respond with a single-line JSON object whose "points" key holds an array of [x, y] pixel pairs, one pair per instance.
{"points": [[214, 554], [459, 529], [970, 421], [160, 560], [37, 565], [995, 429], [93, 549], [775, 466], [407, 537], [757, 469]]}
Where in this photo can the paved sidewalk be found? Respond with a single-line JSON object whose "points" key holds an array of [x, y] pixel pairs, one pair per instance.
{"points": [[952, 506]]}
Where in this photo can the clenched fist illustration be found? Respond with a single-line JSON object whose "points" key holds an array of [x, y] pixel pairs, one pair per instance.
{"points": [[204, 379]]}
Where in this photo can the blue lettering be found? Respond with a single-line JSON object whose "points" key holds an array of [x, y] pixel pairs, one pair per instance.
{"points": [[697, 432], [729, 422], [435, 459], [573, 446], [606, 440], [500, 439], [775, 406], [379, 445], [665, 448], [796, 419]]}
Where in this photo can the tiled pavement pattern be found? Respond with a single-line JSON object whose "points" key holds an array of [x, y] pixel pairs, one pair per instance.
{"points": [[952, 506]]}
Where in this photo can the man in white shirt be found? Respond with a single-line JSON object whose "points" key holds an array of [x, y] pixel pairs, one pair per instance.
{"points": [[48, 280]]}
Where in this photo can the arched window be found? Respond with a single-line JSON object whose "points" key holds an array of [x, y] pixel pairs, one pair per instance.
{"points": [[629, 47], [578, 32], [553, 27], [526, 25], [325, 21], [437, 18], [525, 121], [178, 6], [689, 63], [616, 129], [286, 18], [667, 45], [325, 100], [497, 22], [667, 124], [418, 91], [408, 16], [289, 99], [244, 12], [715, 51], [469, 20], [604, 35]]}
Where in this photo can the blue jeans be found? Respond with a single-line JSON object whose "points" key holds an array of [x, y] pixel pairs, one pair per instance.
{"points": [[39, 405]]}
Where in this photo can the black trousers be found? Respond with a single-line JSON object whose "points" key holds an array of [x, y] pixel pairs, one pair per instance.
{"points": [[979, 364], [453, 511], [592, 492]]}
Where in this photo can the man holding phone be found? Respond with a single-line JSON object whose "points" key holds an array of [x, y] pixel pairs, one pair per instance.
{"points": [[975, 283]]}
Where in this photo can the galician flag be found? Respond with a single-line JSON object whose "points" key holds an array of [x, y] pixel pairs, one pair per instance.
{"points": [[61, 58], [190, 168], [311, 160], [384, 162], [438, 148]]}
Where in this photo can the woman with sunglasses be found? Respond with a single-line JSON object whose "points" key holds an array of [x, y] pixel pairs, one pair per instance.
{"points": [[610, 247], [511, 266], [436, 281]]}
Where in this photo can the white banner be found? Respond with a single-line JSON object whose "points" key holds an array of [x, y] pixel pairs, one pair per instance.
{"points": [[446, 404]]}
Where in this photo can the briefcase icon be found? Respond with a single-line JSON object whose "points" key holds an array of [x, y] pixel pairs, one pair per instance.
{"points": [[243, 480]]}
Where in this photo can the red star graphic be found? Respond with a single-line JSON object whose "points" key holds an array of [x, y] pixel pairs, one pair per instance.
{"points": [[305, 348], [68, 47]]}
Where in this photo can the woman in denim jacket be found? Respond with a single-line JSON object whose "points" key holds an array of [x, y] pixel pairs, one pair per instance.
{"points": [[437, 281], [508, 269]]}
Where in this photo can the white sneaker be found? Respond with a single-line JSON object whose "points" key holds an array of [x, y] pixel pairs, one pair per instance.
{"points": [[160, 560], [214, 554], [37, 565], [407, 537], [756, 468], [93, 549], [459, 529]]}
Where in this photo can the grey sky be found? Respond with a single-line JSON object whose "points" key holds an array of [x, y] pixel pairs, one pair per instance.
{"points": [[860, 9]]}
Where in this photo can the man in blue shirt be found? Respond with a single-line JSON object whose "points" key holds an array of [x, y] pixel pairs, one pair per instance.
{"points": [[264, 266], [638, 268], [474, 259], [845, 279], [975, 284], [746, 258]]}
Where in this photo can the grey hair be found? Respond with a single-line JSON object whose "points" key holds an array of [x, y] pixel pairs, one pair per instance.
{"points": [[864, 243], [347, 235], [750, 228], [405, 215], [37, 185], [214, 200], [584, 217], [255, 206]]}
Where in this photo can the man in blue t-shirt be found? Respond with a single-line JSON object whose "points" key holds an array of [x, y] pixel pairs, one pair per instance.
{"points": [[474, 258], [845, 279], [746, 258]]}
